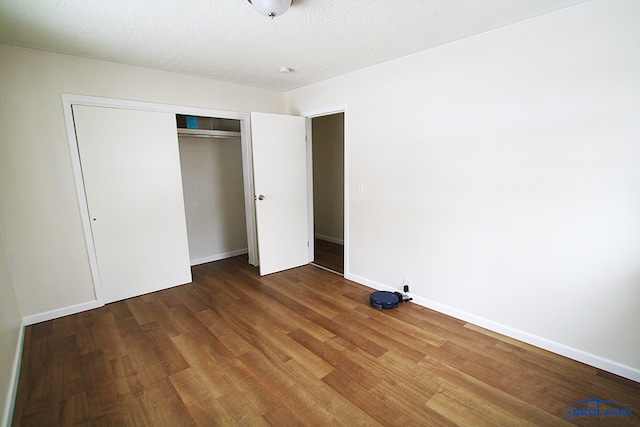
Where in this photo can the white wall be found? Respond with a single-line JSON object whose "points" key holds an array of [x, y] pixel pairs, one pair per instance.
{"points": [[39, 214], [10, 336], [328, 176], [213, 197], [502, 176]]}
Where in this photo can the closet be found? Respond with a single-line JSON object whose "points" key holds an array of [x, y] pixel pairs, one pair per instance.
{"points": [[162, 187], [213, 188]]}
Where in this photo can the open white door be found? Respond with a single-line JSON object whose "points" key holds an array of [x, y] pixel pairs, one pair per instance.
{"points": [[280, 180], [131, 173]]}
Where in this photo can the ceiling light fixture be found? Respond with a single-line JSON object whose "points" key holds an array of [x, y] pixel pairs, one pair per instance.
{"points": [[271, 8]]}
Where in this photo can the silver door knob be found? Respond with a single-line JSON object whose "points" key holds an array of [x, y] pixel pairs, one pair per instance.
{"points": [[261, 197]]}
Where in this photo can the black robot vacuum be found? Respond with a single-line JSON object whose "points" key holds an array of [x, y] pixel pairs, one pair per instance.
{"points": [[385, 299]]}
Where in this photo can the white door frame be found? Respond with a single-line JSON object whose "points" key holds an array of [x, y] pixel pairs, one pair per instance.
{"points": [[309, 115], [68, 100]]}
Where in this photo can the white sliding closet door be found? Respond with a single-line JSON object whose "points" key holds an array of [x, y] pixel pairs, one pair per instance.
{"points": [[131, 172], [280, 180]]}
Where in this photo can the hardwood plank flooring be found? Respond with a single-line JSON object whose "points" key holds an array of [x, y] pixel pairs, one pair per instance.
{"points": [[297, 348], [329, 255]]}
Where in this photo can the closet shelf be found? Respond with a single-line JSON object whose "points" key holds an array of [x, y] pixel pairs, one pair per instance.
{"points": [[204, 133]]}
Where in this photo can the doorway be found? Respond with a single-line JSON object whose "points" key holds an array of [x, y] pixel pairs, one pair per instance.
{"points": [[327, 146]]}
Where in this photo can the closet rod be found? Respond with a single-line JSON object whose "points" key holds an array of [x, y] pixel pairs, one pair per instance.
{"points": [[204, 133]]}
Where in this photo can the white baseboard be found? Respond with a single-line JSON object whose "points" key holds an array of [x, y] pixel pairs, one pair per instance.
{"points": [[218, 257], [14, 377], [535, 340], [60, 312], [329, 239], [65, 311]]}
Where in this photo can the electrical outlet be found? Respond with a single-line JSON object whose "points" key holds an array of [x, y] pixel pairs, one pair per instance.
{"points": [[406, 288], [406, 283]]}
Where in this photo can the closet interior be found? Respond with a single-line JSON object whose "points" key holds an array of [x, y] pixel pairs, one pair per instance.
{"points": [[212, 180]]}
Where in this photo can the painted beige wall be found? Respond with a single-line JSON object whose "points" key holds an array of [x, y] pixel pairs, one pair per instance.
{"points": [[40, 219], [328, 176], [10, 325], [501, 176], [213, 196]]}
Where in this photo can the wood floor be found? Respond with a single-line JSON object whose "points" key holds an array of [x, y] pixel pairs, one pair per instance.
{"points": [[302, 347], [329, 255]]}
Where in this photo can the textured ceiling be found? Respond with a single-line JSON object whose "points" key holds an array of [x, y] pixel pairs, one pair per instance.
{"points": [[229, 40]]}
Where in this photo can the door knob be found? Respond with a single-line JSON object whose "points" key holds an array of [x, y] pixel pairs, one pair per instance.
{"points": [[261, 197]]}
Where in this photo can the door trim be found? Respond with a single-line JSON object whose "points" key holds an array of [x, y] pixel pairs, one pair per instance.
{"points": [[68, 100], [309, 115]]}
